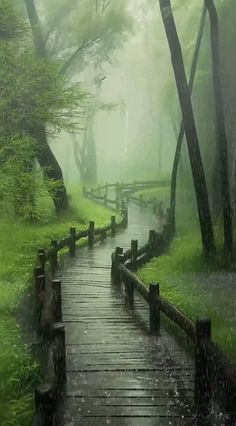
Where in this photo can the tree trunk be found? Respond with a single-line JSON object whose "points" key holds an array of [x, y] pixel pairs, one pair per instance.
{"points": [[86, 158], [220, 127], [80, 160], [45, 156], [39, 44], [190, 128], [181, 131], [50, 167], [91, 153]]}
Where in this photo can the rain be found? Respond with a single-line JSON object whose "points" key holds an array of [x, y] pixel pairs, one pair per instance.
{"points": [[118, 202]]}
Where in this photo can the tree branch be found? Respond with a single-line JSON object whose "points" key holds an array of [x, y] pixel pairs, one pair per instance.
{"points": [[78, 51]]}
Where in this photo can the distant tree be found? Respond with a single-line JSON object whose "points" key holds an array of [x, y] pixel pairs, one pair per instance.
{"points": [[85, 149], [78, 35], [190, 128], [220, 126]]}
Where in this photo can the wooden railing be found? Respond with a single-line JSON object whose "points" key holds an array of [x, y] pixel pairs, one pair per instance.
{"points": [[48, 313], [132, 186], [215, 375], [124, 191]]}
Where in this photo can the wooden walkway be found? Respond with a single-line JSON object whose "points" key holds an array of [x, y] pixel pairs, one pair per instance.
{"points": [[118, 373]]}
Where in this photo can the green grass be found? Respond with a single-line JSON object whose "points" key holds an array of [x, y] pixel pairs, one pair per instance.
{"points": [[161, 194], [18, 245], [189, 281]]}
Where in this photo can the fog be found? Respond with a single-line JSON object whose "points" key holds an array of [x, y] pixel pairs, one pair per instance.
{"points": [[137, 140]]}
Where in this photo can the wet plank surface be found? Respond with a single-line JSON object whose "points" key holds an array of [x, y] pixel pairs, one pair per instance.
{"points": [[118, 373]]}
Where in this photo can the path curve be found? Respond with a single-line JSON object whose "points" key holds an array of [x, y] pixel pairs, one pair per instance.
{"points": [[118, 373]]}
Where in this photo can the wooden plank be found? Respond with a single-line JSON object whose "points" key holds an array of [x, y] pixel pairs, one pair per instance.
{"points": [[124, 380], [132, 393], [128, 421]]}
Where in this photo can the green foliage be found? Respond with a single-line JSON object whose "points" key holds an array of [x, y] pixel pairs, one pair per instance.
{"points": [[21, 182], [11, 25], [161, 194], [33, 94], [76, 31], [33, 91]]}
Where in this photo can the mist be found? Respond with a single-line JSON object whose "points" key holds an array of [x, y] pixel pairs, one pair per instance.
{"points": [[117, 219]]}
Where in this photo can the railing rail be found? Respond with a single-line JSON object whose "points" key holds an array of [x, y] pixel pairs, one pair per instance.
{"points": [[135, 185]]}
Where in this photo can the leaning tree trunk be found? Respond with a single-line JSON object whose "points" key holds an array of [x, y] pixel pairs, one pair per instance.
{"points": [[45, 156], [181, 131], [190, 128], [220, 127], [50, 167]]}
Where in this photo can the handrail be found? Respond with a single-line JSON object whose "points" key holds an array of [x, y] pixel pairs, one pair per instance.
{"points": [[45, 255], [132, 184]]}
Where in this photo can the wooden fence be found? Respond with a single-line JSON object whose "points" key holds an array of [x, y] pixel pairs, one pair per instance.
{"points": [[48, 314], [128, 187], [215, 375]]}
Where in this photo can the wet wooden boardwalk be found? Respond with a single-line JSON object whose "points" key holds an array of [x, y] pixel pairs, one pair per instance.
{"points": [[118, 373]]}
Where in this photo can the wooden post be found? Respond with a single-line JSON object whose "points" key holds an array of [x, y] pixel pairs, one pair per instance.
{"points": [[40, 284], [91, 233], [129, 292], [113, 225], [120, 260], [154, 291], [59, 355], [44, 404], [134, 253], [125, 216], [151, 241], [115, 273], [202, 389], [105, 199], [84, 191], [56, 286], [99, 189], [41, 258], [72, 244], [54, 262], [38, 270], [106, 187]]}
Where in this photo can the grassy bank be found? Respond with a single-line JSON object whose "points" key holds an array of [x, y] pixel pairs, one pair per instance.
{"points": [[162, 194], [18, 244], [198, 286]]}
